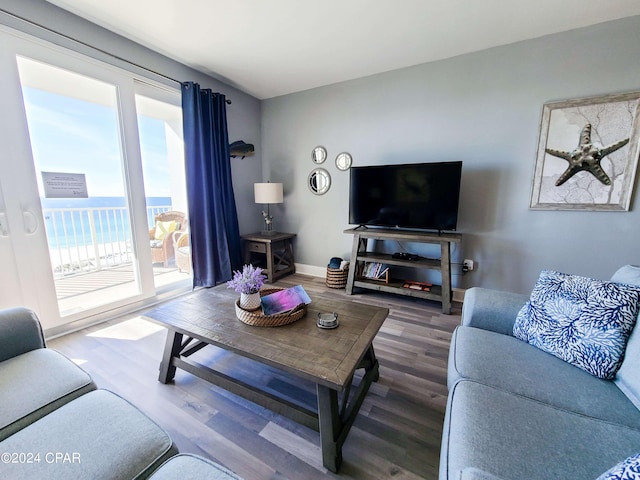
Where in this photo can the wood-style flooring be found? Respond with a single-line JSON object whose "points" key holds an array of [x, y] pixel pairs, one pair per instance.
{"points": [[396, 435]]}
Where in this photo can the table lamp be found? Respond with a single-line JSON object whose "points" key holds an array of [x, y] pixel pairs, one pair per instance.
{"points": [[268, 193]]}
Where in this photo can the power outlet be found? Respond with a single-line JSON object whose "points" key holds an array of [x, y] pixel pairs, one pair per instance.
{"points": [[467, 265]]}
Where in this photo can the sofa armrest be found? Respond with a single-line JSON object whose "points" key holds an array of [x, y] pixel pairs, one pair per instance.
{"points": [[492, 309], [20, 332]]}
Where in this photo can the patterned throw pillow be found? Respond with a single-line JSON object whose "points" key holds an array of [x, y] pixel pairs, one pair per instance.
{"points": [[628, 469], [583, 321], [164, 228]]}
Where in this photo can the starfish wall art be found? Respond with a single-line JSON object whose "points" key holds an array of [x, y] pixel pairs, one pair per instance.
{"points": [[599, 172]]}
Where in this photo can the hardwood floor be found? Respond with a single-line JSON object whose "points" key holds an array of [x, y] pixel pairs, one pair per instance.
{"points": [[396, 435]]}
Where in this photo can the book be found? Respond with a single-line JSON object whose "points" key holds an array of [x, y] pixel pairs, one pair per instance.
{"points": [[414, 285], [284, 300]]}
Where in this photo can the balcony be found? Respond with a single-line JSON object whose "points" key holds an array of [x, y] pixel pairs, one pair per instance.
{"points": [[92, 256]]}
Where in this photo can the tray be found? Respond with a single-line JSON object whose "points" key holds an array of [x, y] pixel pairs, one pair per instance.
{"points": [[257, 319]]}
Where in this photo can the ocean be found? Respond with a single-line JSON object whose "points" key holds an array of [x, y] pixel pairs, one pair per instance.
{"points": [[69, 221]]}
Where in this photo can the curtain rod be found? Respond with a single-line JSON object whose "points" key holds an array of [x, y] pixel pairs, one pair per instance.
{"points": [[104, 52]]}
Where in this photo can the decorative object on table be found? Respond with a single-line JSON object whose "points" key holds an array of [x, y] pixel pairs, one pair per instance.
{"points": [[587, 154], [343, 161], [247, 283], [319, 181], [319, 154], [285, 300], [268, 193], [257, 318], [337, 273], [327, 320], [240, 148]]}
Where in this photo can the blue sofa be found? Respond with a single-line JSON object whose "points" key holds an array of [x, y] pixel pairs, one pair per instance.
{"points": [[56, 424], [516, 412]]}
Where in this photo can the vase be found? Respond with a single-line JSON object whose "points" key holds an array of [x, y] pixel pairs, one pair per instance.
{"points": [[249, 301]]}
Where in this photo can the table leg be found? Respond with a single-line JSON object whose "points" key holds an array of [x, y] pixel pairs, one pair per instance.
{"points": [[330, 427], [172, 349]]}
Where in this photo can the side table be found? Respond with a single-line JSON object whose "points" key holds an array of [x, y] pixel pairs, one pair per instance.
{"points": [[277, 249]]}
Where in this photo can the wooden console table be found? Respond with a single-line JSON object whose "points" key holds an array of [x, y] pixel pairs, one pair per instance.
{"points": [[278, 252], [441, 293]]}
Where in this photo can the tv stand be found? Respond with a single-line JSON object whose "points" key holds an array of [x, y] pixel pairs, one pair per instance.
{"points": [[441, 293]]}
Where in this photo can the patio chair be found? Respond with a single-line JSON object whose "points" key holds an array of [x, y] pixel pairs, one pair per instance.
{"points": [[160, 236], [182, 249]]}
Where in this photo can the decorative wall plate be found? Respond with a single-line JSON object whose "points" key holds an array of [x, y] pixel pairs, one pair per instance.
{"points": [[343, 161], [319, 154], [319, 181]]}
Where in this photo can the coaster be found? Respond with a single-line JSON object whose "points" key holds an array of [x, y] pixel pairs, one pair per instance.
{"points": [[327, 320]]}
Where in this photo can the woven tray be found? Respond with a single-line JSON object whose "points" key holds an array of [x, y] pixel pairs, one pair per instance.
{"points": [[258, 319], [336, 278]]}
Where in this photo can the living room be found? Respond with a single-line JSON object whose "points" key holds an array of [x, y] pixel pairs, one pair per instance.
{"points": [[483, 108]]}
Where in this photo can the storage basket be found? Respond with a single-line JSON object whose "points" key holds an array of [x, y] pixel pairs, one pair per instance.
{"points": [[337, 278], [258, 319]]}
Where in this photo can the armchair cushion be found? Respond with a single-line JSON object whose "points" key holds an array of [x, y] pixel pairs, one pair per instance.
{"points": [[20, 332], [38, 382], [583, 321], [164, 229]]}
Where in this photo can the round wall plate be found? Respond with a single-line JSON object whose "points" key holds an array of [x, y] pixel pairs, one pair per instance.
{"points": [[343, 161], [319, 154], [319, 181]]}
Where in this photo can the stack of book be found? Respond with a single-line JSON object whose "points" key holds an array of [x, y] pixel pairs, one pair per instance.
{"points": [[375, 271]]}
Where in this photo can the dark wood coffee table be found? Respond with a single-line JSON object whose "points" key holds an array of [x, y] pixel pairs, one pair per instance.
{"points": [[328, 358]]}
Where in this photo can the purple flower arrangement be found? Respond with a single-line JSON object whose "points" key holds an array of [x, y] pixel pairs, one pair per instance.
{"points": [[248, 281]]}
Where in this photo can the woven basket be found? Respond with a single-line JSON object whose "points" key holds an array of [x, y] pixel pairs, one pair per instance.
{"points": [[258, 319], [337, 278]]}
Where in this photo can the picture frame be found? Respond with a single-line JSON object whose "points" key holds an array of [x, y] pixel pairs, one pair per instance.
{"points": [[582, 161]]}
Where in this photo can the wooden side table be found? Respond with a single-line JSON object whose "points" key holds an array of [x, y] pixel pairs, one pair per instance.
{"points": [[278, 252]]}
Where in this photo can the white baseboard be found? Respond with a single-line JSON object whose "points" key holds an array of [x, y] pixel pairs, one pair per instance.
{"points": [[458, 294], [311, 270]]}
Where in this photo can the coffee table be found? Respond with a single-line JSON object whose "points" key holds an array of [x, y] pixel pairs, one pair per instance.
{"points": [[328, 358]]}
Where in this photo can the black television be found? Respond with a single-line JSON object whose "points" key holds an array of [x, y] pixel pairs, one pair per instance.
{"points": [[422, 196]]}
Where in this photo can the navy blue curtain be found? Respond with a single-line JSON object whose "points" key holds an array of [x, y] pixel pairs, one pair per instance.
{"points": [[213, 219]]}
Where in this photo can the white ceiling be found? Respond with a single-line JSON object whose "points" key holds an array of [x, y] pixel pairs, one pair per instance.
{"points": [[274, 47]]}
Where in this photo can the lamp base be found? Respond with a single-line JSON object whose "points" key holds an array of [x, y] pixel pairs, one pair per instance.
{"points": [[268, 233]]}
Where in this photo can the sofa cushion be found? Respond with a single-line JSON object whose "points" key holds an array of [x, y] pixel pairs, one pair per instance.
{"points": [[510, 364], [510, 436], [628, 377], [192, 467], [37, 382], [583, 321], [628, 469], [99, 434]]}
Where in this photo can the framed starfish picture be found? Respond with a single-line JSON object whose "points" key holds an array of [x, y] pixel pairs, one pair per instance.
{"points": [[587, 154]]}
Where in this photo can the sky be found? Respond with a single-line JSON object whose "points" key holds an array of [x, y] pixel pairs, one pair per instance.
{"points": [[75, 136]]}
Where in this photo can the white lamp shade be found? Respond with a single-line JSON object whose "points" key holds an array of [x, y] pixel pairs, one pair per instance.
{"points": [[268, 192]]}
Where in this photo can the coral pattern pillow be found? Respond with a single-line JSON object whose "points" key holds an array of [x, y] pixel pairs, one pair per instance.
{"points": [[583, 321], [628, 469]]}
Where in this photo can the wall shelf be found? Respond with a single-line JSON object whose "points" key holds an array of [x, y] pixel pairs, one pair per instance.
{"points": [[441, 293]]}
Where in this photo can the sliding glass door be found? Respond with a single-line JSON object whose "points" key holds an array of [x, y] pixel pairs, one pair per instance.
{"points": [[80, 231]]}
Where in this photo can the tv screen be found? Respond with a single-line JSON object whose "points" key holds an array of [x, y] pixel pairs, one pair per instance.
{"points": [[421, 195]]}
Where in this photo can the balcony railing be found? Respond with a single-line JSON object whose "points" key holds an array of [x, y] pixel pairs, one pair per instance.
{"points": [[89, 239]]}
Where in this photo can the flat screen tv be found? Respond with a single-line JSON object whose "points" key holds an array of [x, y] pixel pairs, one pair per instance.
{"points": [[421, 196]]}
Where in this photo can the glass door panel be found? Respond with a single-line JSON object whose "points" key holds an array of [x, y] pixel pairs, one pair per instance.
{"points": [[74, 129], [162, 150]]}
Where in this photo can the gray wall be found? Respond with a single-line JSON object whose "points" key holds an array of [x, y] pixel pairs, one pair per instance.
{"points": [[243, 115], [484, 109]]}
